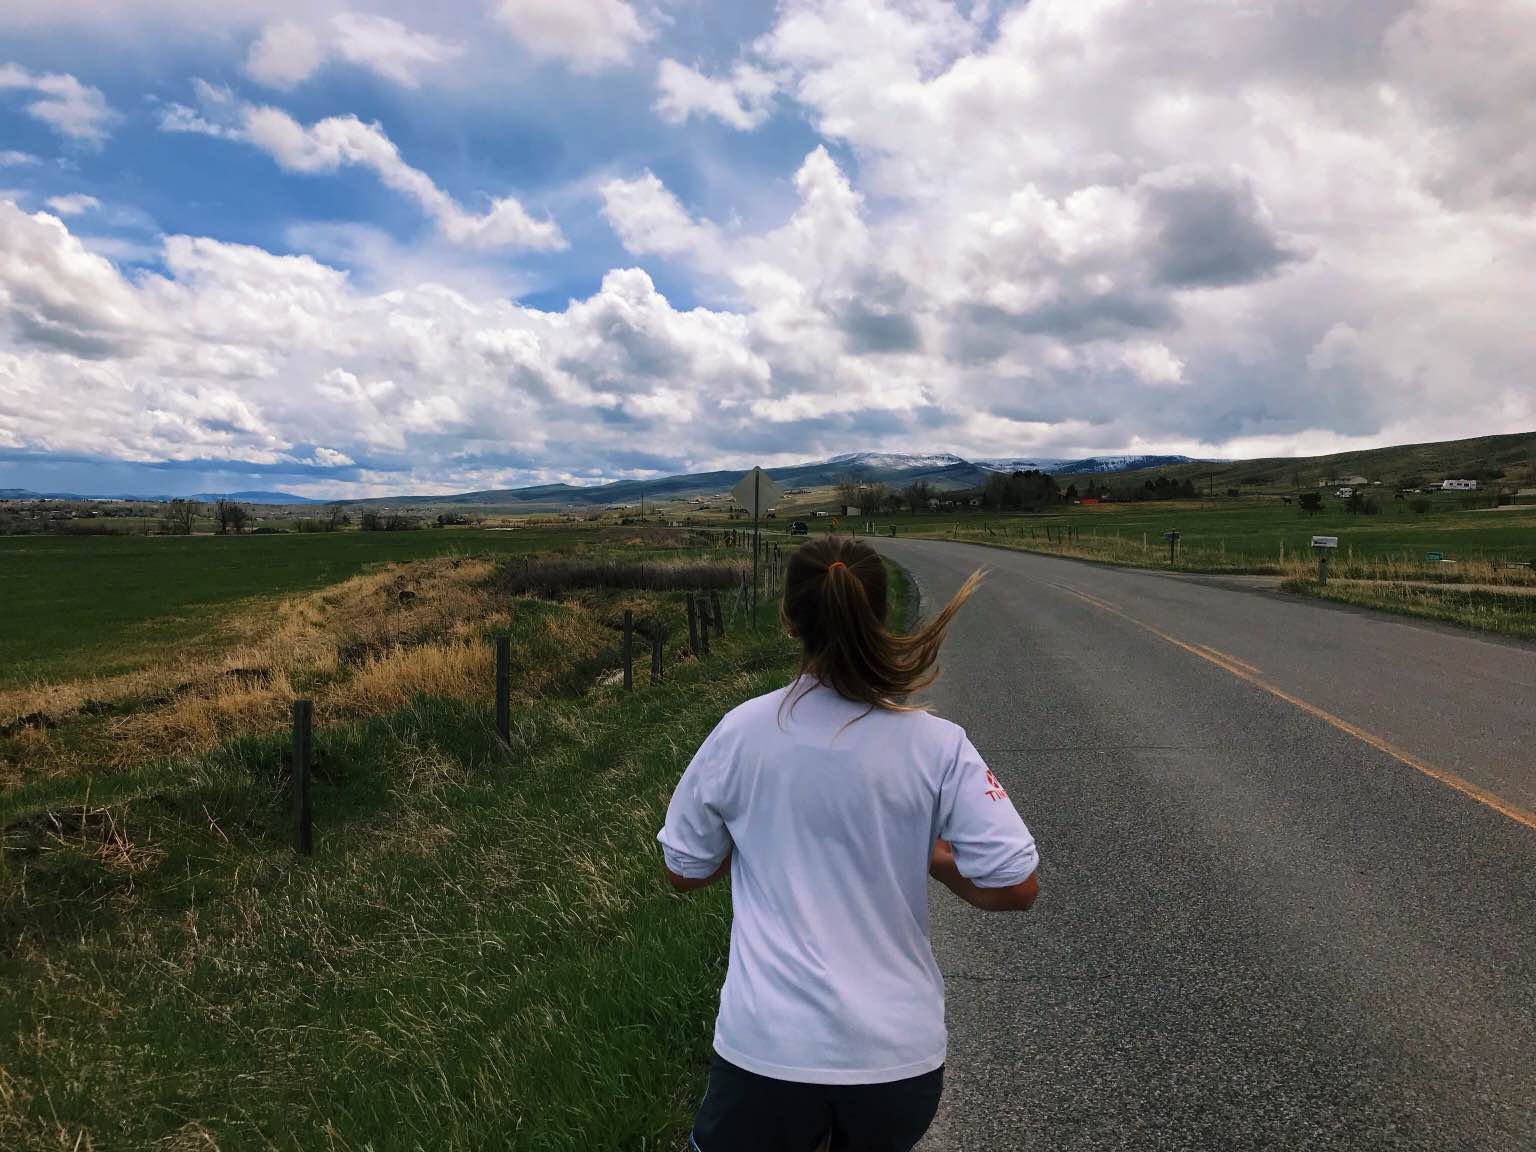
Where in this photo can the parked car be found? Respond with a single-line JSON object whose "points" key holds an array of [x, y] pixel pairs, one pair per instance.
{"points": [[798, 528]]}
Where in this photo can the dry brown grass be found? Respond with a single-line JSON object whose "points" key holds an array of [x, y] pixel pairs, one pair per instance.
{"points": [[359, 649], [1477, 571], [1130, 552], [558, 576]]}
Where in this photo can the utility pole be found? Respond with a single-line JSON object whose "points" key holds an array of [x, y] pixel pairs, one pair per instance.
{"points": [[757, 508], [751, 490]]}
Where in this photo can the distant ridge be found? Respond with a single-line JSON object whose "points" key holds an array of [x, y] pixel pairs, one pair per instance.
{"points": [[256, 498], [201, 497], [943, 471], [1513, 454]]}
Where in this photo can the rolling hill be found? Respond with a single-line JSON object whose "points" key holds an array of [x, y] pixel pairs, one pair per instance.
{"points": [[1508, 458], [1481, 457], [280, 498]]}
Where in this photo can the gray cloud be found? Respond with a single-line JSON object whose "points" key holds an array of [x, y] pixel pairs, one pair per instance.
{"points": [[1211, 233], [52, 334]]}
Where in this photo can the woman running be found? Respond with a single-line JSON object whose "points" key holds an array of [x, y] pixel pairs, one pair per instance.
{"points": [[831, 802]]}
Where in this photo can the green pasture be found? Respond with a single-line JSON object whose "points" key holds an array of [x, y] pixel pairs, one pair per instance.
{"points": [[72, 605], [481, 953], [1254, 529]]}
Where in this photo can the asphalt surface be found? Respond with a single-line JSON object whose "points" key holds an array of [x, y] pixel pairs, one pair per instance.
{"points": [[1287, 900]]}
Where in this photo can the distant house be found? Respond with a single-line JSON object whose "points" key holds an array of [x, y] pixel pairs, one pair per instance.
{"points": [[852, 510], [1345, 493], [1343, 482], [1458, 485]]}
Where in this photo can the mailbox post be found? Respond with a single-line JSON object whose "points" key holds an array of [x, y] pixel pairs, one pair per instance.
{"points": [[1173, 543], [1323, 545]]}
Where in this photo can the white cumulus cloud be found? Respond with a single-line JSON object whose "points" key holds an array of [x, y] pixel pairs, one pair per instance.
{"points": [[236, 354], [743, 99], [288, 52], [345, 141], [588, 34], [73, 204], [650, 220], [285, 54], [62, 102]]}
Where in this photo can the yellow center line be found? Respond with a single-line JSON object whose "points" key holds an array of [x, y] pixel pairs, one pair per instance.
{"points": [[1217, 652], [1245, 672]]}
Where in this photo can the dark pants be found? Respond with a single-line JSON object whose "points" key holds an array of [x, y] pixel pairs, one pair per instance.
{"points": [[745, 1112]]}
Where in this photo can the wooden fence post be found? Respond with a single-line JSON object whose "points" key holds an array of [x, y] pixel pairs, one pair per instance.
{"points": [[629, 649], [714, 603], [656, 643], [703, 626], [303, 746], [693, 626], [504, 689]]}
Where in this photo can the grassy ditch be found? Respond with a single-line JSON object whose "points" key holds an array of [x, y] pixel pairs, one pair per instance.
{"points": [[361, 648], [1485, 578], [481, 952], [1506, 613], [1258, 535]]}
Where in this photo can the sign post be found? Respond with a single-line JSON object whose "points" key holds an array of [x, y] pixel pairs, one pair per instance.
{"points": [[1173, 543], [1323, 545], [756, 492]]}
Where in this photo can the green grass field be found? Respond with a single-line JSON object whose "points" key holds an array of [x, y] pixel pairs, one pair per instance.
{"points": [[1250, 533], [77, 605], [481, 952], [1485, 570]]}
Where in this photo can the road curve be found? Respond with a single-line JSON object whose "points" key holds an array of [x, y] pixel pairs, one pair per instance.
{"points": [[1289, 891]]}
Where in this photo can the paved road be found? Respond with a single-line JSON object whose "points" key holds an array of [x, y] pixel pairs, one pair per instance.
{"points": [[1289, 891]]}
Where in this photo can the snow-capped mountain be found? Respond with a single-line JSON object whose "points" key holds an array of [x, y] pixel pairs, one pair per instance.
{"points": [[1123, 463], [943, 471], [1090, 464], [1021, 464], [897, 460]]}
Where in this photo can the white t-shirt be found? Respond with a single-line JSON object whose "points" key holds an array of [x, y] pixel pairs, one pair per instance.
{"points": [[833, 814]]}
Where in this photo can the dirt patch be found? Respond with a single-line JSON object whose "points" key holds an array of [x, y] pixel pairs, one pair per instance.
{"points": [[38, 721]]}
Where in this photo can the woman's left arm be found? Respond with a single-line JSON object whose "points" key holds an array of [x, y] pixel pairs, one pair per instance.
{"points": [[684, 884]]}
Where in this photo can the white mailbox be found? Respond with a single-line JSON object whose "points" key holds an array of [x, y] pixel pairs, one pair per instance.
{"points": [[1325, 541]]}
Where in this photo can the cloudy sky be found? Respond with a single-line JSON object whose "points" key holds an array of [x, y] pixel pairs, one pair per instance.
{"points": [[358, 248]]}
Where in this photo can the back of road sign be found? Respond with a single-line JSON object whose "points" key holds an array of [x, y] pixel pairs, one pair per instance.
{"points": [[756, 493]]}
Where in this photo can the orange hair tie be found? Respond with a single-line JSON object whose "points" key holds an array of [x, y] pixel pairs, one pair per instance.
{"points": [[836, 564]]}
